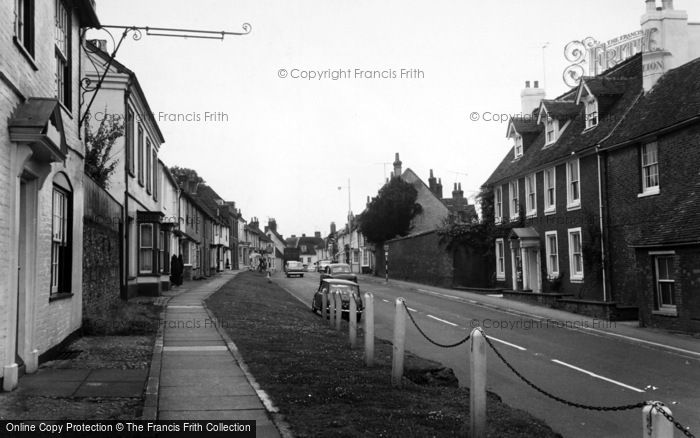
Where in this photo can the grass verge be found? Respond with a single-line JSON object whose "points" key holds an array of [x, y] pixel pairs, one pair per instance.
{"points": [[322, 387]]}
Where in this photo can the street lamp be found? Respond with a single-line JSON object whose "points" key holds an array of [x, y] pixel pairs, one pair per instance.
{"points": [[349, 224]]}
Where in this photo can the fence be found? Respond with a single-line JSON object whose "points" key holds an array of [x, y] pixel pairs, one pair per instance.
{"points": [[657, 419]]}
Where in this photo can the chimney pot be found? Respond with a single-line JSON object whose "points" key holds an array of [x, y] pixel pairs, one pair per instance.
{"points": [[527, 84], [667, 5], [537, 84]]}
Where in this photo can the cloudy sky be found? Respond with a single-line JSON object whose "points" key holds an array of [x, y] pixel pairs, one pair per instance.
{"points": [[281, 144]]}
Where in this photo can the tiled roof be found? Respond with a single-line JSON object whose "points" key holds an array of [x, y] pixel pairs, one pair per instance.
{"points": [[674, 99], [603, 86], [561, 109], [574, 139], [527, 125]]}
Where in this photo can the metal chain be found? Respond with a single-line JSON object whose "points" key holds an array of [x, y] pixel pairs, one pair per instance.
{"points": [[559, 399], [456, 344], [669, 417]]}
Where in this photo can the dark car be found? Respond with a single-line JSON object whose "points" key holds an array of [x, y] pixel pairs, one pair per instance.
{"points": [[339, 270], [294, 268], [348, 290]]}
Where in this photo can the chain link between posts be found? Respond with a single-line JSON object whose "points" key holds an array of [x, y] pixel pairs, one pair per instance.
{"points": [[420, 330], [655, 405]]}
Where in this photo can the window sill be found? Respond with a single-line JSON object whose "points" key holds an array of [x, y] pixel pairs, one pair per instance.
{"points": [[66, 110], [577, 280], [550, 212], [651, 192], [665, 312], [572, 207], [531, 214], [503, 278], [60, 296], [553, 276], [514, 218], [589, 128], [28, 56]]}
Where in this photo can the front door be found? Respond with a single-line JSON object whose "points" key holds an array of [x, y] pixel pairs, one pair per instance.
{"points": [[531, 264]]}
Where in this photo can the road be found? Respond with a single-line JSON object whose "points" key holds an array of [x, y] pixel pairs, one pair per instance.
{"points": [[578, 365]]}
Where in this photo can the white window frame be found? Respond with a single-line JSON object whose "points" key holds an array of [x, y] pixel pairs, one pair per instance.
{"points": [[500, 259], [666, 308], [550, 207], [592, 118], [514, 192], [59, 238], [650, 168], [24, 22], [498, 204], [573, 185], [551, 126], [518, 147], [552, 256], [531, 195], [574, 274], [143, 249]]}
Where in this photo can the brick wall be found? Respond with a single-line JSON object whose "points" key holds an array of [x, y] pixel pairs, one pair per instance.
{"points": [[561, 221], [101, 253], [420, 258], [630, 216]]}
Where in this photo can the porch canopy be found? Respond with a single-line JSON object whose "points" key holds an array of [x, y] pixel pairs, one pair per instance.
{"points": [[37, 122], [524, 238]]}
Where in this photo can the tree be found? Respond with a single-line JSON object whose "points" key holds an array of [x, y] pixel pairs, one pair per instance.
{"points": [[99, 164], [183, 174], [390, 213]]}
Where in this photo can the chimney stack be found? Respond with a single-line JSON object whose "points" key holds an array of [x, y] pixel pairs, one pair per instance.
{"points": [[666, 44], [439, 188], [333, 228], [530, 98], [317, 234], [457, 193], [432, 183], [397, 166]]}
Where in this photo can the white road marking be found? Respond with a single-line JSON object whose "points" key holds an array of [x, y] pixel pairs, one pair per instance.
{"points": [[507, 343], [411, 309], [196, 348], [596, 375], [442, 320], [577, 329], [386, 301]]}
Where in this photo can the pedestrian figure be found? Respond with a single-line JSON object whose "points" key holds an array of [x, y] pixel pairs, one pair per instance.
{"points": [[180, 270], [173, 269]]}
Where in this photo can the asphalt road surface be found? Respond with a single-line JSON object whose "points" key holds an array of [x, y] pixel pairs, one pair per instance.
{"points": [[578, 365]]}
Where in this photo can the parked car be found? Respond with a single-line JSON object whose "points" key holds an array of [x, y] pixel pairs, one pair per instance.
{"points": [[322, 265], [348, 291], [294, 268], [339, 270]]}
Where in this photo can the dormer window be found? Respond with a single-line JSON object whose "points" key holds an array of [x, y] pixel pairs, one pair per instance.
{"points": [[551, 128], [518, 146], [591, 113]]}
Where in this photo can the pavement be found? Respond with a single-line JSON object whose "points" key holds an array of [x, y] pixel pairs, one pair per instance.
{"points": [[195, 374], [624, 330]]}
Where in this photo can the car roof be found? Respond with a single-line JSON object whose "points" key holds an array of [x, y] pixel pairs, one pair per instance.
{"points": [[332, 281]]}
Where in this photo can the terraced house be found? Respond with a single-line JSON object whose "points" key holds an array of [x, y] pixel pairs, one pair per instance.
{"points": [[597, 200], [41, 172]]}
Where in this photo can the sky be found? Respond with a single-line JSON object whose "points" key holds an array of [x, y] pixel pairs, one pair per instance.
{"points": [[273, 131]]}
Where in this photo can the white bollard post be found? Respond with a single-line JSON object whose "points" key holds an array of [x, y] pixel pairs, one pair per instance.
{"points": [[477, 385], [338, 310], [655, 425], [369, 329], [352, 322], [324, 305], [399, 343]]}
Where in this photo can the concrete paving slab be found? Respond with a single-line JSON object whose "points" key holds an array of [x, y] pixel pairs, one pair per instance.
{"points": [[196, 363], [195, 342], [57, 375], [114, 375], [54, 389], [257, 415], [200, 375], [235, 386], [110, 389], [211, 403]]}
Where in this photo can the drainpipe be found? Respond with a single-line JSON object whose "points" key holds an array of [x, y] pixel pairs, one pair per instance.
{"points": [[125, 214], [602, 227]]}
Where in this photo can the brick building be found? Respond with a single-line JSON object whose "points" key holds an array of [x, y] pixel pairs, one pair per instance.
{"points": [[41, 172], [596, 200]]}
